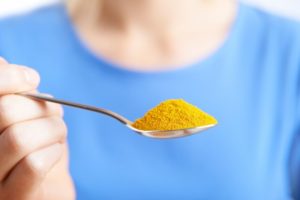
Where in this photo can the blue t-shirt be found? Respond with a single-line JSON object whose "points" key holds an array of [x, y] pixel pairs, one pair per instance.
{"points": [[250, 84]]}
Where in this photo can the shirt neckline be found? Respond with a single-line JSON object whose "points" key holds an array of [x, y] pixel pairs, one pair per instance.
{"points": [[201, 63]]}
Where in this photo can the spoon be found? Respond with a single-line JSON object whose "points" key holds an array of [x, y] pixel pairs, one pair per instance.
{"points": [[160, 134]]}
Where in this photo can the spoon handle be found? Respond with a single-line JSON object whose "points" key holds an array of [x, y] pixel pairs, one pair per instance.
{"points": [[77, 105]]}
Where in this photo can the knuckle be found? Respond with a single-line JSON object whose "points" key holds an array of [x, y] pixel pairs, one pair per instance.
{"points": [[34, 168], [55, 109], [13, 139], [59, 125]]}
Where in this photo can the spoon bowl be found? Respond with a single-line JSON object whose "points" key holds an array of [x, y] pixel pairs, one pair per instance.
{"points": [[159, 134], [167, 134]]}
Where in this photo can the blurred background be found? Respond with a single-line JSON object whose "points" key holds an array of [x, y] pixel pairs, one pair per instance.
{"points": [[290, 8]]}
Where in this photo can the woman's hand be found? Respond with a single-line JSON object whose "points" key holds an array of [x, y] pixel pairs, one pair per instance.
{"points": [[33, 152]]}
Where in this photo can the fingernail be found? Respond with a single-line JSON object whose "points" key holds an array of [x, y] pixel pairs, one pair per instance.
{"points": [[32, 76]]}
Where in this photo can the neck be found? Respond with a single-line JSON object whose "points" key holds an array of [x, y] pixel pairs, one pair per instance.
{"points": [[152, 32], [154, 15]]}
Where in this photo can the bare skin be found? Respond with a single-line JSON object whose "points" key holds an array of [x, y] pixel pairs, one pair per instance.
{"points": [[144, 35], [153, 35], [33, 149]]}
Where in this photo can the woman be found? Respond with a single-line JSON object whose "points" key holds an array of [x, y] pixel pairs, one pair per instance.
{"points": [[236, 62]]}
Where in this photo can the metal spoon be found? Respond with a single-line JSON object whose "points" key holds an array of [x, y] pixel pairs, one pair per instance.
{"points": [[160, 134]]}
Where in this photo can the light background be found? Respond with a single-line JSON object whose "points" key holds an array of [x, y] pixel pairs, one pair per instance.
{"points": [[289, 8], [8, 7]]}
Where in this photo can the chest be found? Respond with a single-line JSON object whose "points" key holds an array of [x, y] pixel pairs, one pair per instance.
{"points": [[244, 157]]}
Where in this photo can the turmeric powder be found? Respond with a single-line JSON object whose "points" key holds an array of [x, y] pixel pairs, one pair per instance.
{"points": [[174, 114]]}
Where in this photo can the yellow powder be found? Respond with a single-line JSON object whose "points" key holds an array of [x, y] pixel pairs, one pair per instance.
{"points": [[174, 114]]}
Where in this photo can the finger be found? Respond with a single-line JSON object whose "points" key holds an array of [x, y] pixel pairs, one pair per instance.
{"points": [[3, 61], [58, 178], [14, 79], [27, 176], [14, 109], [19, 140]]}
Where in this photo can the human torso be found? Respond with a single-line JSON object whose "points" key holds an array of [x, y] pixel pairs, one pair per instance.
{"points": [[244, 85]]}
